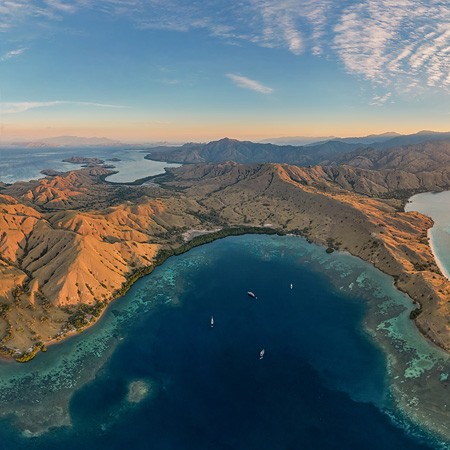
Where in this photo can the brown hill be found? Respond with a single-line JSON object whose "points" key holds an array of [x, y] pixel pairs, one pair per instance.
{"points": [[71, 243], [246, 152]]}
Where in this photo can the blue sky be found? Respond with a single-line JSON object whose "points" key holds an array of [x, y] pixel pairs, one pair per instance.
{"points": [[181, 70]]}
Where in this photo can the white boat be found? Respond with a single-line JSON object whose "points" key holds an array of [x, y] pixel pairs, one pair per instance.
{"points": [[212, 321], [292, 285], [252, 295], [261, 354]]}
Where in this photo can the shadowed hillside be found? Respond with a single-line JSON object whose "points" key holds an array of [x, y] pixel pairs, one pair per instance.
{"points": [[246, 152]]}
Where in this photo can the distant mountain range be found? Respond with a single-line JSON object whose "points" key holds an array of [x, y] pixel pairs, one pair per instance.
{"points": [[369, 140], [302, 140], [298, 140], [422, 157], [65, 141], [246, 152]]}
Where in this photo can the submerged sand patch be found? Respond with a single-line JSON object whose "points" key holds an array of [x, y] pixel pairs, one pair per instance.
{"points": [[138, 390]]}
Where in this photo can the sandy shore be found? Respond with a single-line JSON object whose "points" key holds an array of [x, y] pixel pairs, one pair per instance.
{"points": [[439, 263], [191, 234]]}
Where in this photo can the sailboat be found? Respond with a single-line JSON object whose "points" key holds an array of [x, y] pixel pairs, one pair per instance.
{"points": [[212, 321], [261, 354]]}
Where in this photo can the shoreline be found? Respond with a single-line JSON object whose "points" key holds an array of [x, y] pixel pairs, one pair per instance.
{"points": [[398, 409], [412, 205], [400, 406], [163, 254], [160, 258], [445, 272], [373, 248]]}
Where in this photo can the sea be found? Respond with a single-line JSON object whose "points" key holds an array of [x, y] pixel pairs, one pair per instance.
{"points": [[437, 206], [25, 164], [343, 368]]}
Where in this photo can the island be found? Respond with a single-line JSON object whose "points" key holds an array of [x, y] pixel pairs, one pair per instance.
{"points": [[84, 160], [72, 243]]}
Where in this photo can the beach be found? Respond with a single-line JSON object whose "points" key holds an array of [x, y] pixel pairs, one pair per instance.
{"points": [[436, 206]]}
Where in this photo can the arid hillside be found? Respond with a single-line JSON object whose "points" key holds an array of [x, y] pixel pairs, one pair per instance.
{"points": [[71, 243]]}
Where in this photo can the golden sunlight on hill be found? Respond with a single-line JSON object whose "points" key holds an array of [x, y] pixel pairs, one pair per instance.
{"points": [[71, 243]]}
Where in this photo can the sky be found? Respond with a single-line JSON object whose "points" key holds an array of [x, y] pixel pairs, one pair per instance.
{"points": [[189, 70]]}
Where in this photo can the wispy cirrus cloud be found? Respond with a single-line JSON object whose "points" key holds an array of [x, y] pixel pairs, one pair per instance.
{"points": [[14, 13], [284, 23], [20, 107], [13, 53], [61, 6], [380, 100], [399, 43], [403, 45], [248, 83]]}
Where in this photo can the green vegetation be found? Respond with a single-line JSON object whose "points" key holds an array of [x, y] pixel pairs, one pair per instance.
{"points": [[210, 237], [28, 356], [166, 253], [415, 312], [84, 314]]}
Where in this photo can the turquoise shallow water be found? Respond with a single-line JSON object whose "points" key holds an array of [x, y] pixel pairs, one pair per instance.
{"points": [[436, 206], [344, 367]]}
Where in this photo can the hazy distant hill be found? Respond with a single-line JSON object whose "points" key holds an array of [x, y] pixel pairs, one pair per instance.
{"points": [[249, 152], [298, 140], [384, 140], [371, 139], [424, 157], [363, 140], [417, 138], [67, 141], [331, 152]]}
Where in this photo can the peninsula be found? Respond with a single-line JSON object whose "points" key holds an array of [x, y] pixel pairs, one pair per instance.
{"points": [[71, 243]]}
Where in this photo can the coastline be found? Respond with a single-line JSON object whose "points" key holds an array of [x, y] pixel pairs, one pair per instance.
{"points": [[364, 288], [439, 263], [364, 232], [165, 253], [161, 257], [146, 292], [203, 239], [423, 203]]}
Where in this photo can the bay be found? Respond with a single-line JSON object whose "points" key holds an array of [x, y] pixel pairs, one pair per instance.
{"points": [[344, 367]]}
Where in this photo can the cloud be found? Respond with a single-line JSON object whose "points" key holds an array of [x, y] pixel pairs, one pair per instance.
{"points": [[403, 45], [14, 13], [19, 107], [380, 100], [247, 83], [13, 53], [399, 43], [286, 24], [61, 6]]}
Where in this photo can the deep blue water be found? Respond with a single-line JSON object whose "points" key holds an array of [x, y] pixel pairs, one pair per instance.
{"points": [[321, 385]]}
